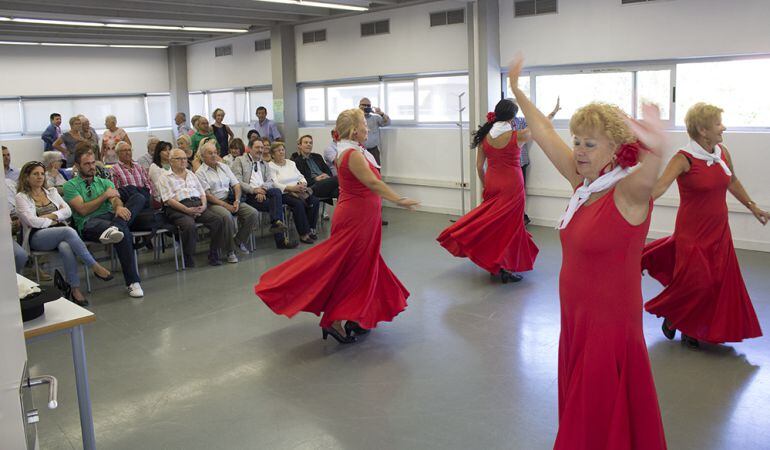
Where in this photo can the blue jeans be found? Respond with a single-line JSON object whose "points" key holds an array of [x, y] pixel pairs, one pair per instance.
{"points": [[20, 256], [69, 245], [95, 226], [273, 205]]}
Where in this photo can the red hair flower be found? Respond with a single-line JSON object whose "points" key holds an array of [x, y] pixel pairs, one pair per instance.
{"points": [[628, 154], [335, 135], [491, 117]]}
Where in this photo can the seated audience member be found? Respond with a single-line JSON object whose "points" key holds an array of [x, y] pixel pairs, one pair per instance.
{"points": [[90, 135], [146, 159], [180, 126], [184, 143], [203, 131], [236, 149], [266, 155], [112, 135], [10, 173], [185, 200], [20, 256], [161, 162], [293, 186], [100, 214], [67, 141], [251, 135], [128, 172], [330, 154], [43, 214], [52, 132], [313, 167], [258, 192], [223, 193], [52, 161]]}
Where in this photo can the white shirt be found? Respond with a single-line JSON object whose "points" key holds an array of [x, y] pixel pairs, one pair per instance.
{"points": [[218, 181], [173, 186], [155, 173], [257, 179], [285, 175]]}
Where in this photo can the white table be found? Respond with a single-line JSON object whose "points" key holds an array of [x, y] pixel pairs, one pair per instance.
{"points": [[63, 316]]}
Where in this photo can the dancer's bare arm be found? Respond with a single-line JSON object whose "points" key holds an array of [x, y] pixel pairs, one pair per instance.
{"points": [[359, 166], [677, 166], [739, 192]]}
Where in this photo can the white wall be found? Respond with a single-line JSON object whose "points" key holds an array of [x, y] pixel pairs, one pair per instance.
{"points": [[548, 191], [411, 47], [589, 31], [36, 70], [244, 67]]}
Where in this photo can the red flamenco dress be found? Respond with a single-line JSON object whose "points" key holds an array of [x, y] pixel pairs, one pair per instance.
{"points": [[344, 277], [492, 235], [705, 296], [607, 397]]}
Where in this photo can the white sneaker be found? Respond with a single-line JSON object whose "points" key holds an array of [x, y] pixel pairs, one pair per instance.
{"points": [[135, 291], [231, 258], [243, 249], [111, 235]]}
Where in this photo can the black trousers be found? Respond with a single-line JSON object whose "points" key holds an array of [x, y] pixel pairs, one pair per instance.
{"points": [[326, 189], [375, 151]]}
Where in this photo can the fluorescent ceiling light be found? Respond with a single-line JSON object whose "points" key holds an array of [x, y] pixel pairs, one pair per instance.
{"points": [[122, 25], [18, 43], [138, 46], [64, 44], [142, 27], [58, 22], [319, 4], [215, 30]]}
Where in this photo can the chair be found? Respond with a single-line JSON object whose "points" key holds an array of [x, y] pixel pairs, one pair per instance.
{"points": [[37, 254]]}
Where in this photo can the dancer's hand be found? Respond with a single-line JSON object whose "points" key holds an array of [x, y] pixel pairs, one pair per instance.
{"points": [[762, 216], [514, 70], [407, 203], [649, 130]]}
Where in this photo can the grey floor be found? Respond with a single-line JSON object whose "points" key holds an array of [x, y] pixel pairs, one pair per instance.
{"points": [[201, 363]]}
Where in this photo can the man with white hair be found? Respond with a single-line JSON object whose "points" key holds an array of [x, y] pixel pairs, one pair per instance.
{"points": [[146, 159]]}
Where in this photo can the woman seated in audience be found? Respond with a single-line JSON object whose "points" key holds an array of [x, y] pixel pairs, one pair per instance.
{"points": [[296, 195], [236, 149], [67, 141], [203, 131], [266, 156], [52, 161], [43, 214], [161, 163], [252, 135], [222, 132], [112, 135], [184, 143]]}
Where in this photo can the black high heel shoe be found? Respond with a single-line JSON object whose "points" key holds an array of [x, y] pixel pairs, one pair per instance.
{"points": [[331, 331], [670, 333], [690, 342], [507, 277], [66, 289], [352, 328]]}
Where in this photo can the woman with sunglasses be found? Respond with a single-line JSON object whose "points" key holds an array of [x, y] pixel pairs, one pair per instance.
{"points": [[43, 214]]}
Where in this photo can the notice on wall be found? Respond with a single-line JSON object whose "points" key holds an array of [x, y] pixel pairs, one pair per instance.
{"points": [[278, 110]]}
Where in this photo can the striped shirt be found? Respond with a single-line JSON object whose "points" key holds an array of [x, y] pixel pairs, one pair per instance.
{"points": [[123, 175]]}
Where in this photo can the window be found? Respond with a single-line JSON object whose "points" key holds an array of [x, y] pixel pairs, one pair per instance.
{"points": [[159, 111], [197, 104], [225, 50], [739, 87], [340, 98], [523, 8], [579, 89], [524, 85], [452, 17], [232, 102], [262, 45], [10, 119], [313, 101], [400, 100], [438, 98], [129, 110], [654, 86], [372, 28], [257, 99]]}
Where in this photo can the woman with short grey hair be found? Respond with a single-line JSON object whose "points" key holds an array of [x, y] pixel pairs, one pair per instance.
{"points": [[52, 160]]}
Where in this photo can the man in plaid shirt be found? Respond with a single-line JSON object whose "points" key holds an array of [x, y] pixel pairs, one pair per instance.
{"points": [[128, 172]]}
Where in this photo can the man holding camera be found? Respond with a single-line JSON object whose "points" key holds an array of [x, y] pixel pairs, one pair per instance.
{"points": [[375, 118]]}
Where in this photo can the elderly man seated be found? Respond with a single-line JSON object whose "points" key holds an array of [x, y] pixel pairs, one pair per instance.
{"points": [[185, 200], [128, 172], [223, 191], [258, 191], [313, 167], [101, 215]]}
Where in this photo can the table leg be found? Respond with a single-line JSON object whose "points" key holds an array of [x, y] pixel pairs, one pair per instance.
{"points": [[81, 382]]}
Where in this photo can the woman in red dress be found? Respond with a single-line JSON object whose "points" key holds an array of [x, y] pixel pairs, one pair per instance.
{"points": [[345, 277], [705, 297], [607, 397], [492, 235]]}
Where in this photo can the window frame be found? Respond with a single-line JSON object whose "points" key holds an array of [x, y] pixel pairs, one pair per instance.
{"points": [[382, 81]]}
